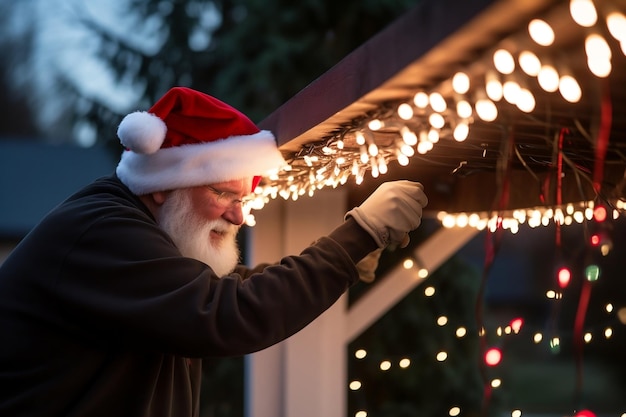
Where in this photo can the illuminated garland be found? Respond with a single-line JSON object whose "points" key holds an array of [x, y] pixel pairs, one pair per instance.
{"points": [[534, 217], [397, 131]]}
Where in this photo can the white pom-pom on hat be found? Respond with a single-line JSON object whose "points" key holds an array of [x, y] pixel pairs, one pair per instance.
{"points": [[142, 132]]}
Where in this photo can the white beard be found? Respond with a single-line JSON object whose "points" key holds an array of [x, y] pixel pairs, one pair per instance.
{"points": [[191, 234]]}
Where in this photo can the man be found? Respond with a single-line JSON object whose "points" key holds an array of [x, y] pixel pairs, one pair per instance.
{"points": [[107, 306]]}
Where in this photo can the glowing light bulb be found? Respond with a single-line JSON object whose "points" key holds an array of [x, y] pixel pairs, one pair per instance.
{"points": [[433, 136], [525, 100], [405, 111], [583, 12], [596, 47], [355, 385], [375, 124], [460, 83], [436, 120], [541, 32], [516, 324], [503, 61], [486, 110], [493, 356], [464, 109], [570, 89], [529, 63], [360, 353], [372, 149], [461, 131], [510, 91], [493, 86], [548, 78], [601, 68], [421, 99], [437, 102], [616, 23], [408, 137], [564, 276]]}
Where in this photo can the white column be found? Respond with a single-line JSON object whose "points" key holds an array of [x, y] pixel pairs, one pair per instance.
{"points": [[306, 374]]}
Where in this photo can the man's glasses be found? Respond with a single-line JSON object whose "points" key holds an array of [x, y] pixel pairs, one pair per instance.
{"points": [[225, 199]]}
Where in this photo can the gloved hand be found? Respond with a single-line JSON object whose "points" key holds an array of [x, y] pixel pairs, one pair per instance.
{"points": [[391, 212]]}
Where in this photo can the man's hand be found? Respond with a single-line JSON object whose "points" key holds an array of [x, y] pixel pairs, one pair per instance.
{"points": [[368, 265], [392, 211]]}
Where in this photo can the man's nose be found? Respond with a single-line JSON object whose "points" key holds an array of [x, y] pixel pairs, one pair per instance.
{"points": [[234, 214]]}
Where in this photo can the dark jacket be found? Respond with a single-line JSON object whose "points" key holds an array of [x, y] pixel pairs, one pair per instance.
{"points": [[102, 316]]}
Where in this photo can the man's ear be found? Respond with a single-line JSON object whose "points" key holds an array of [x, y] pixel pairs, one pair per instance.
{"points": [[154, 201]]}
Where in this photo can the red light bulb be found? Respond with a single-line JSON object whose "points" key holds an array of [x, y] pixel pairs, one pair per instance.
{"points": [[564, 276], [493, 356]]}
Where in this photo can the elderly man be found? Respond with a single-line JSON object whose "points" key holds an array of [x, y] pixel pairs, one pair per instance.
{"points": [[107, 306]]}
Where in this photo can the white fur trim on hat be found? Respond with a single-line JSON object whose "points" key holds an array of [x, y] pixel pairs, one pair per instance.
{"points": [[191, 165], [142, 132]]}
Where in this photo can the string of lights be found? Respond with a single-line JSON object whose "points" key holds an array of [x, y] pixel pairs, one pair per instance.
{"points": [[503, 78]]}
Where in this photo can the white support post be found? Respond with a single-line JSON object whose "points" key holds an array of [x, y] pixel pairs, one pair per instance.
{"points": [[305, 375]]}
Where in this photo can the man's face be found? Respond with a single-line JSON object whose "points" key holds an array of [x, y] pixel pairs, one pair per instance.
{"points": [[204, 221]]}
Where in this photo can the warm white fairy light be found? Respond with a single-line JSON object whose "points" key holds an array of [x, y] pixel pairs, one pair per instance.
{"points": [[429, 291], [461, 332], [503, 61], [570, 89], [385, 365], [537, 337], [493, 86], [361, 413], [454, 411], [442, 320], [441, 356], [608, 333], [583, 12], [405, 111], [598, 55], [511, 220], [360, 354], [437, 102], [355, 385], [436, 120], [404, 363], [496, 383], [529, 63], [461, 131], [516, 413], [486, 110], [541, 32], [548, 78], [525, 100], [510, 91], [460, 83], [616, 23]]}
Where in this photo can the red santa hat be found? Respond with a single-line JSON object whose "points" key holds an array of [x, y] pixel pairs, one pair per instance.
{"points": [[188, 139]]}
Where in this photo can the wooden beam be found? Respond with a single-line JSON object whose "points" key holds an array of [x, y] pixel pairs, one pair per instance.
{"points": [[422, 46]]}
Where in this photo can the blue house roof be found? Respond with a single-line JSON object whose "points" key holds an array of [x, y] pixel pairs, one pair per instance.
{"points": [[35, 177]]}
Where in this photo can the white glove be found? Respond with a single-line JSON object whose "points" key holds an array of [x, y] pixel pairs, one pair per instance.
{"points": [[391, 212]]}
